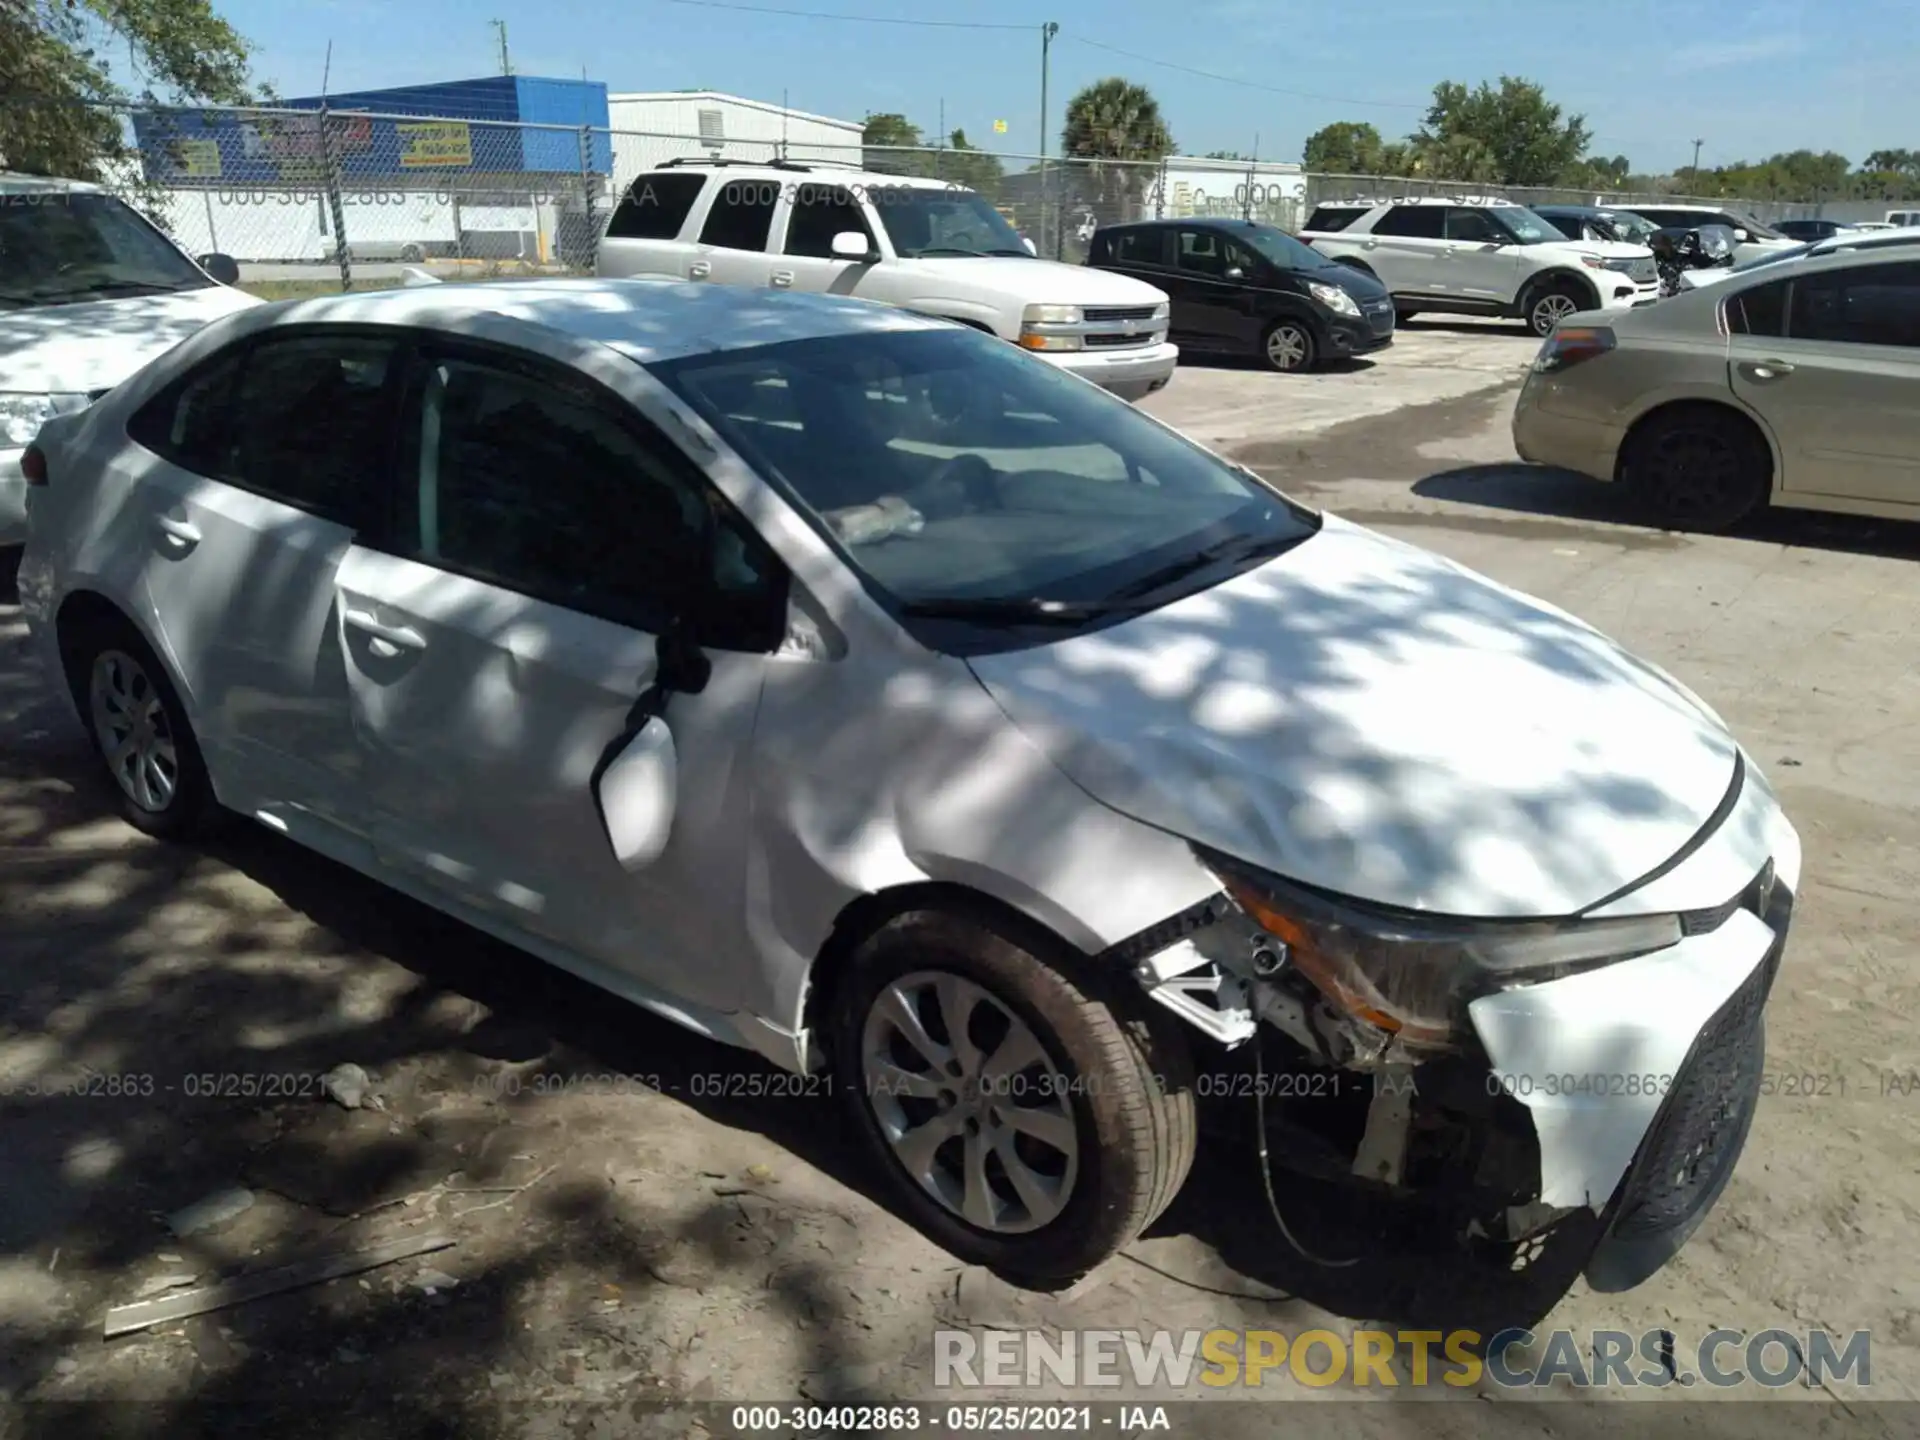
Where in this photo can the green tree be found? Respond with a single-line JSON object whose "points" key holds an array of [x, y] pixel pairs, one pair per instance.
{"points": [[1116, 129], [1345, 147], [878, 138], [965, 164], [1511, 135], [58, 62]]}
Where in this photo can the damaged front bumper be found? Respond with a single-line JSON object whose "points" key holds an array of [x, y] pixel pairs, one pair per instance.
{"points": [[1625, 1092]]}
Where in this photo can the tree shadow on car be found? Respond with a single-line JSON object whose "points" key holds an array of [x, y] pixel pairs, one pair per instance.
{"points": [[1562, 494]]}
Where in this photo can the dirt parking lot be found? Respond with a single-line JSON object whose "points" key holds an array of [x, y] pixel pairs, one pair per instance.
{"points": [[636, 1214]]}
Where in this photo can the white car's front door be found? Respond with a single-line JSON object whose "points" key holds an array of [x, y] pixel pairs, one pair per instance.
{"points": [[735, 231], [1482, 261], [496, 655], [257, 470], [809, 220]]}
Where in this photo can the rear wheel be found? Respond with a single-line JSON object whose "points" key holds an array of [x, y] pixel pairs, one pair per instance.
{"points": [[1289, 346], [1028, 1121], [1698, 467], [140, 732]]}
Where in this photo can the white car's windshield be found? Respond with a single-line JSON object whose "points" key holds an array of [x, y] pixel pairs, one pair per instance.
{"points": [[971, 484], [58, 247], [921, 221]]}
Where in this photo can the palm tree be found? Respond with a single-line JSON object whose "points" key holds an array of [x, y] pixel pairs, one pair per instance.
{"points": [[1114, 127]]}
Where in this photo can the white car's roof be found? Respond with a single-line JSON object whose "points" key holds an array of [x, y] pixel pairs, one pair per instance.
{"points": [[14, 183], [822, 173], [654, 319]]}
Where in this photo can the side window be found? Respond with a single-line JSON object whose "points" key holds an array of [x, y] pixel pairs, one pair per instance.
{"points": [[1475, 226], [1416, 221], [530, 480], [1333, 217], [314, 424], [741, 215], [191, 422], [818, 213], [1863, 305], [655, 207], [1202, 252], [306, 421], [1760, 310], [1139, 247]]}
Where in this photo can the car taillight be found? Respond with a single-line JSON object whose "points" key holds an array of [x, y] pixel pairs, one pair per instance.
{"points": [[33, 465], [1566, 348]]}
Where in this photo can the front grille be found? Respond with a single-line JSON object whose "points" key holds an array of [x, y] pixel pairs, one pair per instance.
{"points": [[1117, 342], [1099, 315], [1703, 1123]]}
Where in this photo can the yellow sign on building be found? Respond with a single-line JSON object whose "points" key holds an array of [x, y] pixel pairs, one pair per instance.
{"points": [[434, 144], [199, 159]]}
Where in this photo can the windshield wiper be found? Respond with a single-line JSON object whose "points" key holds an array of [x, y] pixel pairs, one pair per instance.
{"points": [[99, 288], [1021, 253], [1233, 547], [950, 250], [1018, 609]]}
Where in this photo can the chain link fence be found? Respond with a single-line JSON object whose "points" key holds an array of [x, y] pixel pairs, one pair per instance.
{"points": [[325, 195]]}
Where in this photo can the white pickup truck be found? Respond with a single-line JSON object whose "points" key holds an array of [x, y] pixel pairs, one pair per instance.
{"points": [[926, 245], [1482, 257]]}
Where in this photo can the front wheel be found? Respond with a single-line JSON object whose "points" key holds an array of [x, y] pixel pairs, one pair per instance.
{"points": [[1289, 346], [1548, 308], [1029, 1122], [140, 731]]}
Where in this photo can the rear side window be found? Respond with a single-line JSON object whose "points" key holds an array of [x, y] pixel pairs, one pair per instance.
{"points": [[1761, 310], [1136, 247], [655, 207], [819, 213], [1419, 221], [742, 215], [1333, 217], [1861, 305], [306, 420]]}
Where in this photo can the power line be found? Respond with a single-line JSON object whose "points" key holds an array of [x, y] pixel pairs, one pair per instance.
{"points": [[1248, 84], [861, 19]]}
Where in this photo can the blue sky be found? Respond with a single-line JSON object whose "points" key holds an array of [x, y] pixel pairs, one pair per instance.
{"points": [[1651, 75]]}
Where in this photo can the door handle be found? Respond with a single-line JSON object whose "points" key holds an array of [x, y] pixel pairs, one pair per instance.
{"points": [[782, 279], [699, 270], [181, 530], [401, 637], [1766, 369]]}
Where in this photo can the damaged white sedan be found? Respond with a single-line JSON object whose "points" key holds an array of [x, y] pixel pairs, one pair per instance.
{"points": [[850, 686]]}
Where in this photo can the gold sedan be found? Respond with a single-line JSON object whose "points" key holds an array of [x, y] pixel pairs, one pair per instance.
{"points": [[1796, 385]]}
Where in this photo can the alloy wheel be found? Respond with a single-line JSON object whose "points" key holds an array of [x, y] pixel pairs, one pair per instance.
{"points": [[970, 1102], [1289, 347], [1550, 310], [136, 737]]}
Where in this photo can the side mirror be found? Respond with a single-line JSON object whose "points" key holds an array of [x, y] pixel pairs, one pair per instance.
{"points": [[637, 794], [1741, 236], [1031, 250], [852, 245], [223, 268], [681, 667]]}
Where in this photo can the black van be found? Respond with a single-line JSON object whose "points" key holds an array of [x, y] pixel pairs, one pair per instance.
{"points": [[1242, 288]]}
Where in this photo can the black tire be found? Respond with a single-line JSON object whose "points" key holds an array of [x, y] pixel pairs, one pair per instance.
{"points": [[1552, 303], [413, 254], [190, 811], [1120, 1066], [1697, 467], [1289, 346]]}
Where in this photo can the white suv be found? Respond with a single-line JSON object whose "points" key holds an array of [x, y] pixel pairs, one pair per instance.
{"points": [[926, 245], [1483, 257]]}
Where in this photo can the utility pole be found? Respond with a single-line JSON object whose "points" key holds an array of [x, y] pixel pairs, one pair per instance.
{"points": [[1696, 158], [500, 29], [1047, 32]]}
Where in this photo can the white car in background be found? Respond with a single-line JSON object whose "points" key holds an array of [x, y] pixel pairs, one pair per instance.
{"points": [[1861, 239], [925, 245], [847, 685], [89, 291]]}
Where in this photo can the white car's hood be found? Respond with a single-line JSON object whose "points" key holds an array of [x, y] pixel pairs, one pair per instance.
{"points": [[1041, 282], [1372, 719], [86, 347], [1610, 249]]}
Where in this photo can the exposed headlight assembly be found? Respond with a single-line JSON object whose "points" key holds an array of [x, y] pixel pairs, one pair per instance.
{"points": [[1412, 976]]}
